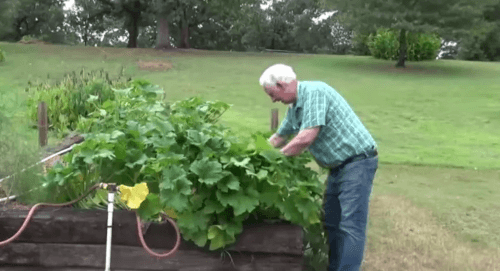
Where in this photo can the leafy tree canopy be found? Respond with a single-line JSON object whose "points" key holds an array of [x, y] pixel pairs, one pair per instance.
{"points": [[449, 18]]}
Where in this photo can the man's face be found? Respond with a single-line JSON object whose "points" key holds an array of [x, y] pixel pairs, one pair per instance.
{"points": [[282, 92]]}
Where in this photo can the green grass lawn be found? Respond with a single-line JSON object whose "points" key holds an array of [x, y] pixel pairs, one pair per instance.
{"points": [[440, 115]]}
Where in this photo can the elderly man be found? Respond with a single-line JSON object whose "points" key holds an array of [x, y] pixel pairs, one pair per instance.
{"points": [[327, 126]]}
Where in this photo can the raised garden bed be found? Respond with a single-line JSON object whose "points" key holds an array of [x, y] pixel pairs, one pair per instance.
{"points": [[71, 239]]}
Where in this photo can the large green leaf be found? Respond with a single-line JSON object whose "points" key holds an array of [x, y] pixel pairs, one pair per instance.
{"points": [[309, 210], [271, 155], [242, 163], [174, 199], [174, 178], [213, 207], [230, 182], [216, 237], [150, 207], [193, 221], [200, 238], [240, 201], [261, 143], [209, 172], [197, 138]]}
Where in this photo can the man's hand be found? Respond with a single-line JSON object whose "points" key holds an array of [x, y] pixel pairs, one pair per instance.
{"points": [[277, 141], [299, 143]]}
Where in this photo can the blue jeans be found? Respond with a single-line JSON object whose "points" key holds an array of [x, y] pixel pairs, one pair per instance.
{"points": [[346, 201]]}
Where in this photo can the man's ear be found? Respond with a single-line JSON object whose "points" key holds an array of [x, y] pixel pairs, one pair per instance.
{"points": [[279, 85]]}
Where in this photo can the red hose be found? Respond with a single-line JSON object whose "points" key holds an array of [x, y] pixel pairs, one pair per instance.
{"points": [[33, 209], [139, 228], [152, 253]]}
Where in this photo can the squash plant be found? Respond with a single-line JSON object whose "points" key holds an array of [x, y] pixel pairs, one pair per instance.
{"points": [[211, 181]]}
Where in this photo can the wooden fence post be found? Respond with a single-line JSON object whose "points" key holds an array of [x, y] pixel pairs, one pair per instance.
{"points": [[274, 119], [42, 124]]}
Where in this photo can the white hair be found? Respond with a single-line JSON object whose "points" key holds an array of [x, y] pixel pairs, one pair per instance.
{"points": [[275, 73]]}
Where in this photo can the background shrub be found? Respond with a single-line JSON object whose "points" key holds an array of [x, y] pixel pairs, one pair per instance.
{"points": [[420, 46], [384, 44]]}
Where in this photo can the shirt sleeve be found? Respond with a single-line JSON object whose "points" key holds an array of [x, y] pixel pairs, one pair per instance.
{"points": [[286, 127], [314, 110]]}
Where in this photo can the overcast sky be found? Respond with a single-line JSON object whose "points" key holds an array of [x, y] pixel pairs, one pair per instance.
{"points": [[69, 4]]}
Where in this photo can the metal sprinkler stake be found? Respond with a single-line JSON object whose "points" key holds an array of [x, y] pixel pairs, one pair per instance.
{"points": [[112, 189]]}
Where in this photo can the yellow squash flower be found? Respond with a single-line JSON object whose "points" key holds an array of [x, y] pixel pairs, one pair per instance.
{"points": [[134, 196]]}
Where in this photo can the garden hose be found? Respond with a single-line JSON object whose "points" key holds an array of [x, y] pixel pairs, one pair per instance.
{"points": [[145, 246], [94, 187], [36, 206]]}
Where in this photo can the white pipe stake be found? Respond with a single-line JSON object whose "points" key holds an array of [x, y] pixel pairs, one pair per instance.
{"points": [[41, 161], [111, 199], [7, 198]]}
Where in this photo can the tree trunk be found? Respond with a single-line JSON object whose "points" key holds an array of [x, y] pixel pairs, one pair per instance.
{"points": [[185, 37], [163, 32], [85, 35], [19, 32], [133, 30], [402, 49]]}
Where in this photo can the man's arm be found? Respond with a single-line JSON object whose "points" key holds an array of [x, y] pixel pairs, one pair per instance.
{"points": [[299, 143]]}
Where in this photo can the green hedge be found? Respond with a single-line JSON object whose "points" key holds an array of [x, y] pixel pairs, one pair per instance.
{"points": [[420, 46]]}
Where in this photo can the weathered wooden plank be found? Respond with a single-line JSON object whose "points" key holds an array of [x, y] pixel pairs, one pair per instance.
{"points": [[134, 258], [67, 225], [270, 238]]}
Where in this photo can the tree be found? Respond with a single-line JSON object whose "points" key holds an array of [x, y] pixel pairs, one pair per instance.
{"points": [[284, 25], [445, 17], [87, 20], [164, 11], [231, 29], [6, 19], [33, 17], [292, 26], [132, 12], [482, 42], [490, 45], [191, 14]]}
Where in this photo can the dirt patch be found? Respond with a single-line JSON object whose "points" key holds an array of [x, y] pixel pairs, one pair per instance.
{"points": [[405, 237], [154, 65], [34, 42]]}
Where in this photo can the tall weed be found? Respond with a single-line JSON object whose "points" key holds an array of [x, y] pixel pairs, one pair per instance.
{"points": [[72, 98]]}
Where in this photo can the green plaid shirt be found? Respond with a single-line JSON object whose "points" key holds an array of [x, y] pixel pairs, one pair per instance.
{"points": [[342, 134]]}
